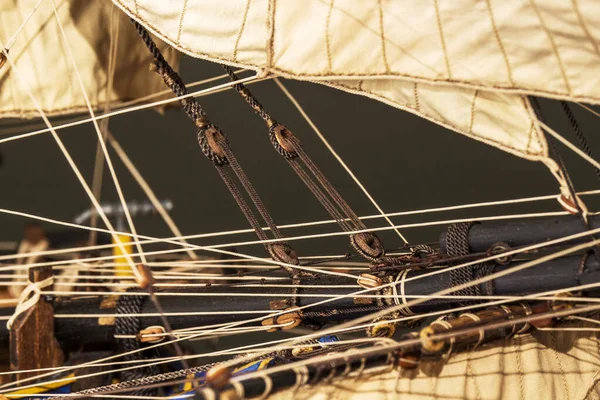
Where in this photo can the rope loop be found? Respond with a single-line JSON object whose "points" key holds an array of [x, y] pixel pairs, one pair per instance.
{"points": [[29, 297]]}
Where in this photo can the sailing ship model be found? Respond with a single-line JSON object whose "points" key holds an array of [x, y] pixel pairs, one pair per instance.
{"points": [[495, 308]]}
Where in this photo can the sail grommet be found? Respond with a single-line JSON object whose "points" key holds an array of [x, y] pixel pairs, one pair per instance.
{"points": [[367, 245], [218, 376], [283, 252], [152, 334], [369, 281]]}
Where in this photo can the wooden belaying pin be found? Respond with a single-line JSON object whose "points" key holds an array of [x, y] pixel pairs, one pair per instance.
{"points": [[144, 279]]}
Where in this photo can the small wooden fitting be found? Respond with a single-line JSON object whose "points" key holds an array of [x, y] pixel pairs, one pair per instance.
{"points": [[430, 345], [369, 281], [542, 323], [217, 377], [408, 361], [213, 136], [145, 280], [269, 322], [558, 305], [299, 351], [2, 62], [382, 329], [282, 135], [291, 319], [152, 334]]}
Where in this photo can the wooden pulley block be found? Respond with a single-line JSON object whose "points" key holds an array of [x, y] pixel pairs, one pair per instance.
{"points": [[430, 345], [369, 281], [152, 334], [290, 319]]}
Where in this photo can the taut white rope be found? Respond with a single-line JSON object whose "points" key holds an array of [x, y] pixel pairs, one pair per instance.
{"points": [[29, 297]]}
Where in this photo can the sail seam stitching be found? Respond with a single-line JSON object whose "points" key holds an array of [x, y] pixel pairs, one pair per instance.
{"points": [[584, 26], [327, 42], [271, 28], [416, 94], [541, 138], [472, 119], [180, 29], [500, 44], [530, 138], [65, 57], [382, 36], [442, 39], [239, 36], [517, 346], [552, 44], [562, 371]]}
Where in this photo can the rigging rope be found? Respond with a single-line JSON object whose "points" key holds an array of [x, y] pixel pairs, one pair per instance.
{"points": [[215, 147], [367, 244], [130, 325], [457, 244], [577, 130]]}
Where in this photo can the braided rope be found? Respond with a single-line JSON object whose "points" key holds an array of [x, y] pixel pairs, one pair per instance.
{"points": [[128, 325], [457, 244]]}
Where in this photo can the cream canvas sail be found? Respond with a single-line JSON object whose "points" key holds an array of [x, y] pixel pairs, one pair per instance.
{"points": [[548, 365], [98, 34], [464, 64]]}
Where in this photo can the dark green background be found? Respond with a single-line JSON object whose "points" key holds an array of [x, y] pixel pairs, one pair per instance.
{"points": [[405, 162]]}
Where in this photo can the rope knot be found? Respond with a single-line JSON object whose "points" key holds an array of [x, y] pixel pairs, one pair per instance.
{"points": [[29, 297]]}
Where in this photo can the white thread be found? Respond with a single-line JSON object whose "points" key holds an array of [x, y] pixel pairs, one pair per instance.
{"points": [[476, 318], [212, 89], [348, 170], [405, 310], [268, 385], [12, 40], [569, 145], [33, 289]]}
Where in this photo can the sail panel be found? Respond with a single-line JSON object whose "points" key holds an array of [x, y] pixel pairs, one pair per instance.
{"points": [[551, 365], [472, 61], [499, 119], [45, 67], [540, 47]]}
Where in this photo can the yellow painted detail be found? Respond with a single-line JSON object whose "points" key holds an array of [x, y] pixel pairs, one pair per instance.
{"points": [[44, 388], [122, 267]]}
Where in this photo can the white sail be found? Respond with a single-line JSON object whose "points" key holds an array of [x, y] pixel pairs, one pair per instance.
{"points": [[454, 51], [551, 365], [44, 66]]}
